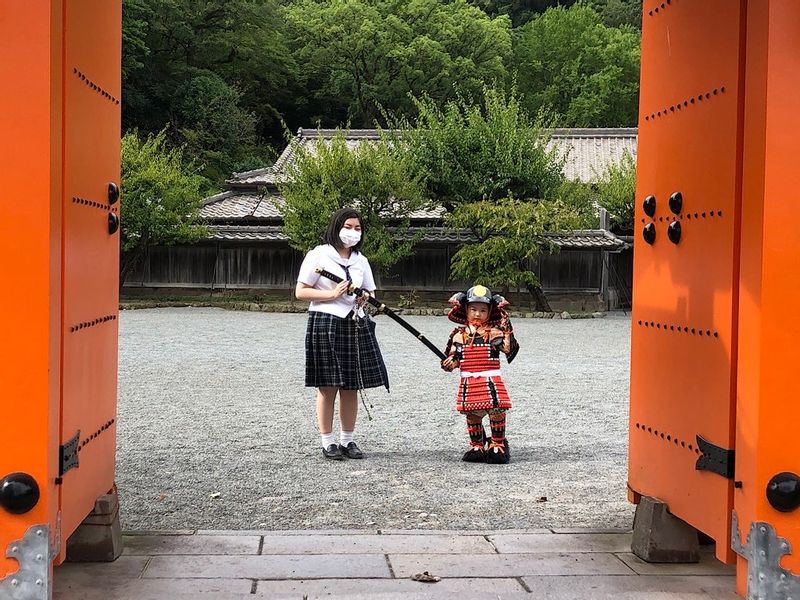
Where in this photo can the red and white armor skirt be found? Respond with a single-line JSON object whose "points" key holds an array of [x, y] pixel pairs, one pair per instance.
{"points": [[481, 386]]}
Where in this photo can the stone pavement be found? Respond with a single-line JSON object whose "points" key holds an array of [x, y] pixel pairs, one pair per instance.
{"points": [[559, 564]]}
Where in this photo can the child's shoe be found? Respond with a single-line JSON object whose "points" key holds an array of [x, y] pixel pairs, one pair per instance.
{"points": [[474, 454], [498, 454]]}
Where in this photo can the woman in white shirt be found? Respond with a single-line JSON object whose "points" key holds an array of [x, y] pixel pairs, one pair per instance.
{"points": [[342, 353]]}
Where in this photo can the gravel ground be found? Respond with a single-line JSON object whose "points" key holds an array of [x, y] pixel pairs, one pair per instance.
{"points": [[217, 431]]}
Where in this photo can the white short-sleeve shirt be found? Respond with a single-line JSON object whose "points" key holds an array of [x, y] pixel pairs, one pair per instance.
{"points": [[327, 257]]}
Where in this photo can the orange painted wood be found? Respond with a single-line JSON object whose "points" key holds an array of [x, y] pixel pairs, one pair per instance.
{"points": [[685, 295], [58, 310], [768, 411], [30, 244], [91, 254]]}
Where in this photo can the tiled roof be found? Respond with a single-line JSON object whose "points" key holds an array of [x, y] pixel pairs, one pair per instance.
{"points": [[237, 205], [240, 204], [587, 238], [245, 233], [257, 177], [588, 152], [583, 239], [253, 196]]}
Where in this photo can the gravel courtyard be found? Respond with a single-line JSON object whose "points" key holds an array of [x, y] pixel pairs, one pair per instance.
{"points": [[216, 430]]}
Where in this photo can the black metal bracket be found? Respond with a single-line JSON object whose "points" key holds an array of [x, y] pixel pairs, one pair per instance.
{"points": [[715, 459], [68, 454]]}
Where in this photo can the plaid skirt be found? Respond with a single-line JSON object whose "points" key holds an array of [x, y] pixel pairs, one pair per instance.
{"points": [[343, 353]]}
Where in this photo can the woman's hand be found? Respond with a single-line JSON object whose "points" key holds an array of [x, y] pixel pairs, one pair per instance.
{"points": [[340, 289]]}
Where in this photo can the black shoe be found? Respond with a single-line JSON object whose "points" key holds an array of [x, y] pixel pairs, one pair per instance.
{"points": [[333, 452], [351, 451], [474, 454], [498, 456]]}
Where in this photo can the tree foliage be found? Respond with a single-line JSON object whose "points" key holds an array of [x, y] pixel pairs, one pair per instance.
{"points": [[511, 233], [568, 62], [160, 198], [488, 149], [362, 56], [489, 164], [226, 77], [214, 72], [374, 179], [619, 13], [222, 79], [616, 192], [520, 11]]}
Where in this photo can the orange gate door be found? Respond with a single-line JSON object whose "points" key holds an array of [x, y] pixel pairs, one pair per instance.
{"points": [[766, 529], [59, 242], [91, 250], [685, 264], [30, 313]]}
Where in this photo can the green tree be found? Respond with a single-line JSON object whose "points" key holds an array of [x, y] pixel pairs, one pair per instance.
{"points": [[489, 164], [373, 178], [218, 132], [568, 62], [160, 198], [362, 56], [135, 15], [618, 13], [511, 234], [195, 65], [616, 192], [469, 151], [520, 11]]}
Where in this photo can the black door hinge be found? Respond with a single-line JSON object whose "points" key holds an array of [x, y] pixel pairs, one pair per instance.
{"points": [[715, 459], [68, 454]]}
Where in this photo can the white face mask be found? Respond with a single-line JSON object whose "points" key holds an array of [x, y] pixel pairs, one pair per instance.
{"points": [[349, 237]]}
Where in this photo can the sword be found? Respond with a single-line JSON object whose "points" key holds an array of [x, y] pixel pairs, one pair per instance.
{"points": [[385, 310]]}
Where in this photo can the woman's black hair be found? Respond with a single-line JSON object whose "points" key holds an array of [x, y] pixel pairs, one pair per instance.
{"points": [[338, 218]]}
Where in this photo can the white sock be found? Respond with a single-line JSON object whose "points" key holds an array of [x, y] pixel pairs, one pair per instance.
{"points": [[346, 438], [327, 439]]}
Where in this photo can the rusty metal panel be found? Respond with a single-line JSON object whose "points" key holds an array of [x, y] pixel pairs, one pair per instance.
{"points": [[683, 332], [91, 251]]}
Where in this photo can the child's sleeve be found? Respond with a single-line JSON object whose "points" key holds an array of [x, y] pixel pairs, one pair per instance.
{"points": [[453, 350], [504, 341], [451, 342]]}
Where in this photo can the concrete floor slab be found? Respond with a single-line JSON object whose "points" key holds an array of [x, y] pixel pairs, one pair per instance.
{"points": [[708, 565], [376, 544], [309, 566], [479, 532], [508, 565], [646, 587], [568, 542], [590, 530], [104, 588], [260, 532], [125, 567], [543, 570], [348, 588], [151, 545]]}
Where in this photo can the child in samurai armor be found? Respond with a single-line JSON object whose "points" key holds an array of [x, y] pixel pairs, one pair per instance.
{"points": [[474, 347]]}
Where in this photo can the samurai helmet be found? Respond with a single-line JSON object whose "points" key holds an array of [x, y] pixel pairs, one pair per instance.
{"points": [[478, 293]]}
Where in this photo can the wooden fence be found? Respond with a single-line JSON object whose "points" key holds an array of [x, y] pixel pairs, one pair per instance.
{"points": [[237, 266]]}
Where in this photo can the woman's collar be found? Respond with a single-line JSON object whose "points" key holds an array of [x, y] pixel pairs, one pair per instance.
{"points": [[334, 254]]}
